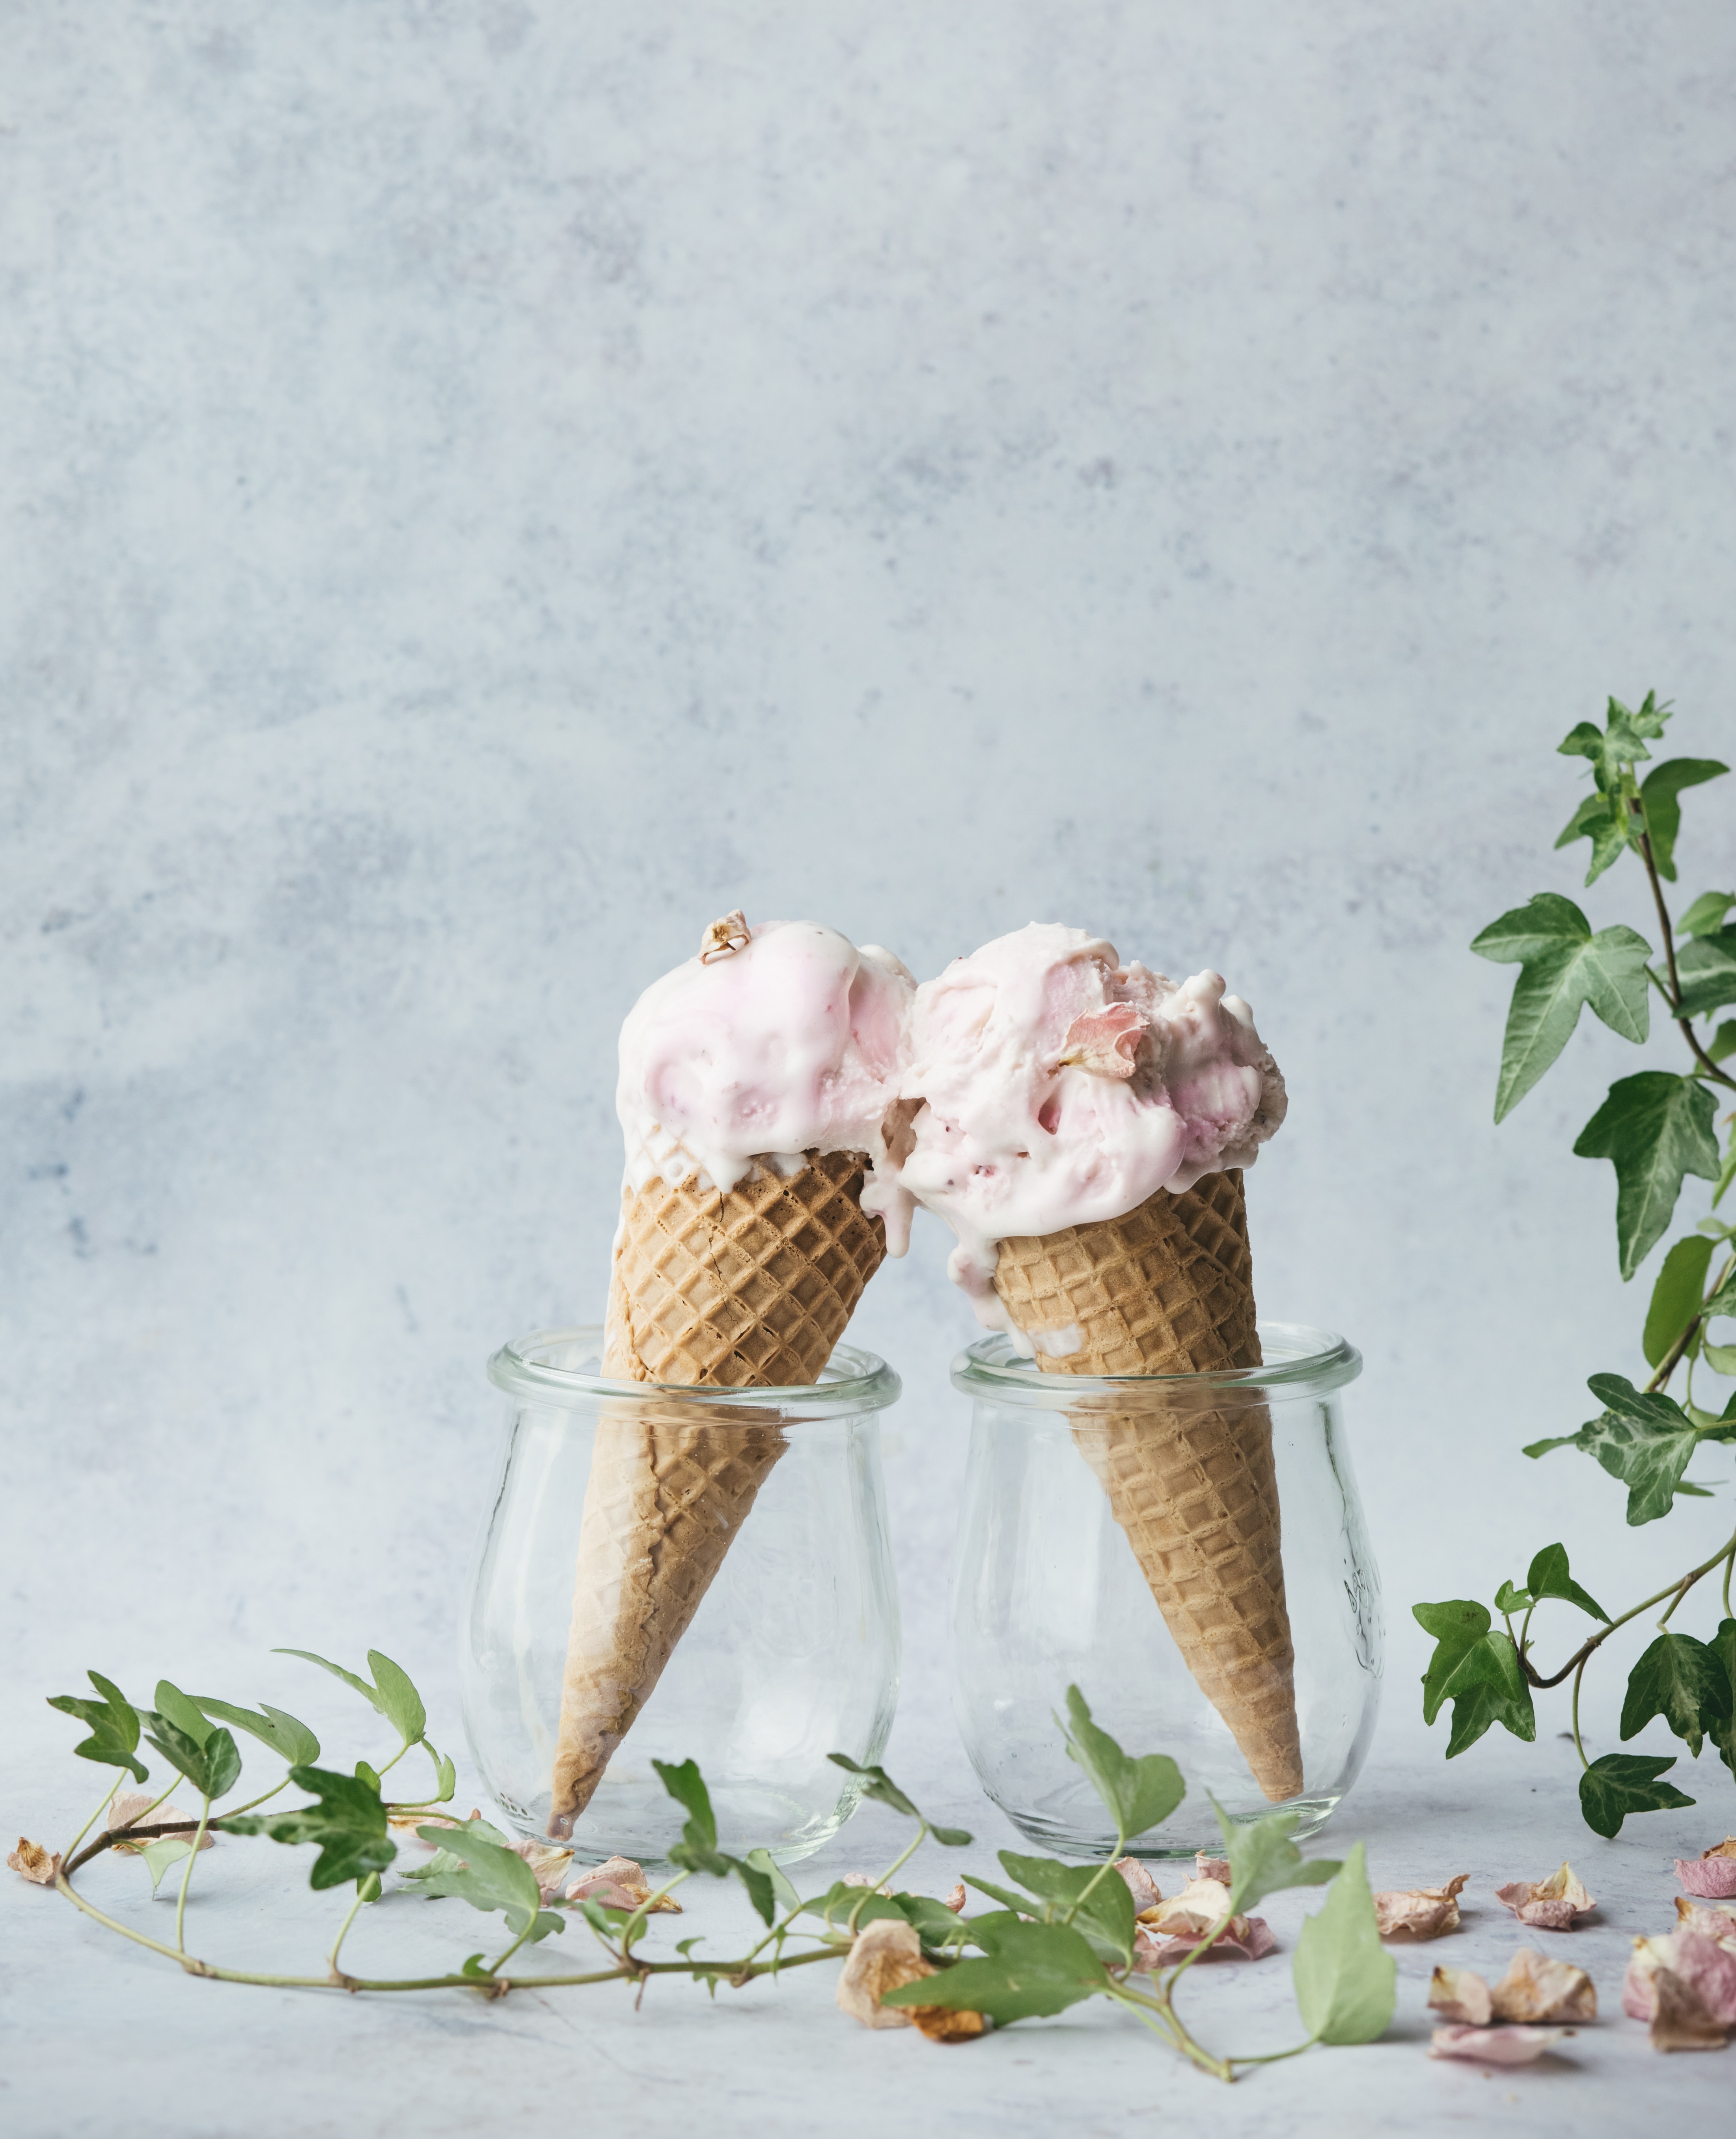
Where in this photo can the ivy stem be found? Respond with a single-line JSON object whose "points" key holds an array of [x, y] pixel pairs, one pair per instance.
{"points": [[193, 1858], [235, 1811], [1276, 2057], [1707, 1066], [1578, 1743], [1672, 1358], [1582, 1655], [97, 1815], [332, 1959], [1172, 2030], [494, 1967]]}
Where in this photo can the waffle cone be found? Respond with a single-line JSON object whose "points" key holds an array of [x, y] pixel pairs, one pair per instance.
{"points": [[1168, 1289], [748, 1288]]}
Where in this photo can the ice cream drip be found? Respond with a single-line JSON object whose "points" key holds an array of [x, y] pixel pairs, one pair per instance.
{"points": [[1048, 1085], [772, 1042]]}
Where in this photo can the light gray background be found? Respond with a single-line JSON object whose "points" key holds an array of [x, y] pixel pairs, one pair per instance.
{"points": [[490, 487]]}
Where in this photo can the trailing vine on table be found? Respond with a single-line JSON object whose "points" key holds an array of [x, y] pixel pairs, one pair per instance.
{"points": [[1657, 1127], [1060, 1934]]}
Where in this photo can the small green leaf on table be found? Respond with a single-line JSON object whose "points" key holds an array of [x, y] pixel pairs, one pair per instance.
{"points": [[1562, 966], [1346, 1980], [1684, 1682], [347, 1822], [1655, 1129], [166, 1850], [112, 1721], [1619, 1783], [1264, 1860], [1105, 1915], [1139, 1793], [485, 1873], [1028, 1971], [1477, 1670]]}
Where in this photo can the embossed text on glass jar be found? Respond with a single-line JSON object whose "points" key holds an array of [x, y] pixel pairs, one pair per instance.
{"points": [[1049, 1589], [791, 1655]]}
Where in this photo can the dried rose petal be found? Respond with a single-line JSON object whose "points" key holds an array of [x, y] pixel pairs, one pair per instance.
{"points": [[1103, 1041], [33, 1862], [1638, 1986], [1554, 1904], [1147, 1896], [940, 2023], [884, 1954], [1534, 1989], [1709, 1972], [1212, 1867], [1712, 1876], [126, 1809], [1460, 1994], [957, 1899], [1423, 1912], [863, 1879], [1494, 2046], [1199, 1905], [1679, 2020], [1710, 1922], [1248, 1938], [550, 1865], [620, 1883]]}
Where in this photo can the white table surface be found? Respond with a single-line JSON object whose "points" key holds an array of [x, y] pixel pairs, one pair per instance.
{"points": [[107, 2037]]}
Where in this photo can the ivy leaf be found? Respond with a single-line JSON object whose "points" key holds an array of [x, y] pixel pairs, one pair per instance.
{"points": [[1723, 1300], [698, 1845], [787, 1898], [1548, 1577], [1264, 1860], [212, 1768], [347, 1822], [285, 1734], [1618, 1784], [1658, 791], [880, 1786], [1723, 1732], [1105, 1915], [760, 1891], [1645, 1438], [1676, 1297], [1601, 819], [1510, 1600], [1019, 1904], [1684, 1682], [1562, 966], [1030, 1970], [166, 1850], [1139, 1793], [1719, 1048], [860, 1904], [113, 1723], [1346, 1980], [391, 1695], [182, 1712], [935, 1923], [1708, 970], [482, 1872], [1476, 1669], [1655, 1129], [1705, 917]]}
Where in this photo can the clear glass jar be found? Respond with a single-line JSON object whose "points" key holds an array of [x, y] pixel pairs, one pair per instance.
{"points": [[791, 1655], [1048, 1592]]}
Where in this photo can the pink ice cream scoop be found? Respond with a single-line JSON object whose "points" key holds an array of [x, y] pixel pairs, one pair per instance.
{"points": [[776, 1041], [1048, 1085]]}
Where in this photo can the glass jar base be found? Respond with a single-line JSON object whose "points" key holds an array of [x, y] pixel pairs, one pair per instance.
{"points": [[1085, 1838], [642, 1821]]}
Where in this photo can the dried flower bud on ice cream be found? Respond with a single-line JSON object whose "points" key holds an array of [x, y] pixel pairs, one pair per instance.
{"points": [[788, 1043], [1049, 1085]]}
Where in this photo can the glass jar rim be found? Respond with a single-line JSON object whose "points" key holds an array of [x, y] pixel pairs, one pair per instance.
{"points": [[852, 1380], [1300, 1360]]}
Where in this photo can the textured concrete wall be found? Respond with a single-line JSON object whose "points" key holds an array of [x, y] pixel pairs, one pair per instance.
{"points": [[489, 488]]}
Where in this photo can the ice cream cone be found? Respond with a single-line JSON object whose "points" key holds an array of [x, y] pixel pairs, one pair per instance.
{"points": [[748, 1287], [1168, 1289]]}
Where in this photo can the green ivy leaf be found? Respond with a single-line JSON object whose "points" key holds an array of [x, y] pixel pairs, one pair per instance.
{"points": [[1622, 742], [698, 1845], [1030, 1971], [1619, 1783], [285, 1735], [1264, 1860], [1660, 792], [843, 1902], [391, 1695], [1601, 819], [113, 1723], [1723, 1731], [1510, 1600], [1676, 1297], [1548, 1577], [880, 1786], [182, 1712], [1655, 1129], [1645, 1438], [1562, 966], [213, 1768], [936, 1925], [762, 1860], [1105, 1915], [1707, 967], [1684, 1682], [1019, 1904], [481, 1870], [166, 1850], [1477, 1670], [1139, 1793], [1705, 917], [1346, 1980], [347, 1822], [1721, 1046]]}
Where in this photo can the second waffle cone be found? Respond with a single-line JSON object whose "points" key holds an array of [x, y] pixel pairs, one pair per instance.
{"points": [[1168, 1289], [750, 1288]]}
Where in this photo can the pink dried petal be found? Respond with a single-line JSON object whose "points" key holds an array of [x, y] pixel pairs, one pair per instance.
{"points": [[1248, 1938], [884, 1956], [1712, 1877], [1140, 1885], [1554, 1904], [1423, 1912], [1709, 1972], [1710, 1920], [1494, 2046], [1460, 1994], [33, 1862], [1638, 1986], [619, 1883], [1534, 1989], [549, 1864], [1103, 1041], [1680, 2020], [1212, 1867], [1199, 1905], [1548, 1916], [955, 1900]]}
